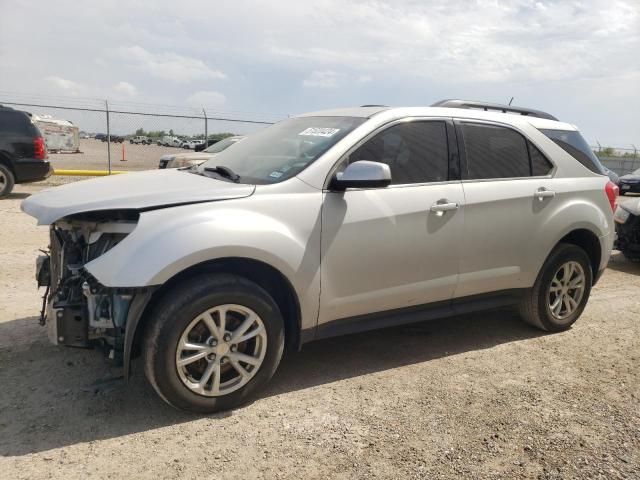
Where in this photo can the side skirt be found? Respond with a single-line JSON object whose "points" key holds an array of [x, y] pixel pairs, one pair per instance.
{"points": [[420, 313]]}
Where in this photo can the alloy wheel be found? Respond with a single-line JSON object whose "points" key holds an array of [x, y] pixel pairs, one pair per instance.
{"points": [[566, 290], [221, 350]]}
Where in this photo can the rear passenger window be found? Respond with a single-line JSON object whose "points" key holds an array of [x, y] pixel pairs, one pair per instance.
{"points": [[416, 152], [540, 166], [495, 152], [12, 122]]}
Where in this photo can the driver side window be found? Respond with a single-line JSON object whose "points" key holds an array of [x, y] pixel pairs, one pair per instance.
{"points": [[416, 152]]}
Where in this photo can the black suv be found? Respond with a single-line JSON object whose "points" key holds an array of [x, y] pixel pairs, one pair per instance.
{"points": [[23, 152]]}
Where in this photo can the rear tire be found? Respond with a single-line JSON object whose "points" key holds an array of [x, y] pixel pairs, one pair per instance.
{"points": [[181, 328], [7, 181], [553, 304]]}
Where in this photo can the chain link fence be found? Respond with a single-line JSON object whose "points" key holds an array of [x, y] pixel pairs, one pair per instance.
{"points": [[620, 160], [133, 136], [85, 134]]}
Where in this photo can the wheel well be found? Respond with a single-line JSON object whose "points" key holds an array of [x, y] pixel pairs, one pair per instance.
{"points": [[6, 162], [589, 242], [264, 275]]}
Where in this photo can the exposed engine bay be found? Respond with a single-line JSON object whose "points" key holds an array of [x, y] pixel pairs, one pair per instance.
{"points": [[77, 309]]}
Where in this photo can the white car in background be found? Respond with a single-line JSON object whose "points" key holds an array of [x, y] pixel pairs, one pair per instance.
{"points": [[176, 160], [170, 141], [191, 144]]}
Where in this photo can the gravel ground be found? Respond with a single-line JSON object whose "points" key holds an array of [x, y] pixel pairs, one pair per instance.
{"points": [[93, 156], [479, 396]]}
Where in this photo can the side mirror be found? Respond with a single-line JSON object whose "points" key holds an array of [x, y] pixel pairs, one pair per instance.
{"points": [[362, 174]]}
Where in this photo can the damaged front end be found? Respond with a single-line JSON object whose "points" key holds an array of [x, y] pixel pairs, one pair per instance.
{"points": [[78, 311], [627, 218]]}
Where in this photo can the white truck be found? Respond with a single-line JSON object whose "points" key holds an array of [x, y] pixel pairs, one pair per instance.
{"points": [[140, 139]]}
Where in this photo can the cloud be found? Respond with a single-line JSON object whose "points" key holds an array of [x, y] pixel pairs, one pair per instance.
{"points": [[166, 65], [577, 58], [65, 86], [125, 89], [465, 42], [206, 99], [323, 79]]}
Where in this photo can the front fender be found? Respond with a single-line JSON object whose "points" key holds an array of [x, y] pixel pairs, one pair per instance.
{"points": [[280, 231]]}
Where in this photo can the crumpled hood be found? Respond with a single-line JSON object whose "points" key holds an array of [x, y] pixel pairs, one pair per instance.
{"points": [[141, 190], [631, 205]]}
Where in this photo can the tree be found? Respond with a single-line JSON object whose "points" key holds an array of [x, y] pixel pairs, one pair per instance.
{"points": [[140, 131], [171, 132], [607, 152]]}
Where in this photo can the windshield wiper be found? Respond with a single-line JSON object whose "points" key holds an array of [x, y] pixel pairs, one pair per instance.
{"points": [[224, 172]]}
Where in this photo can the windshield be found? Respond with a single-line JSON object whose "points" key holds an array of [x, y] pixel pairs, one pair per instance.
{"points": [[222, 144], [283, 150]]}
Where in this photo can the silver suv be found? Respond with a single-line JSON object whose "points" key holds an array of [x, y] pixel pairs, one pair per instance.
{"points": [[324, 224]]}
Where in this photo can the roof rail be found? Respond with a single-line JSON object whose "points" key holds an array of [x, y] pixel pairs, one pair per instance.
{"points": [[473, 105]]}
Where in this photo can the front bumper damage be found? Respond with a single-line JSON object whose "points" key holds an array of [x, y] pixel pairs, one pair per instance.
{"points": [[77, 310]]}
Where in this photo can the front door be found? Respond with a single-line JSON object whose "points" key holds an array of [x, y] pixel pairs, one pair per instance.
{"points": [[394, 247]]}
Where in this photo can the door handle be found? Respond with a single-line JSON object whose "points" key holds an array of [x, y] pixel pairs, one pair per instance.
{"points": [[543, 193], [443, 206]]}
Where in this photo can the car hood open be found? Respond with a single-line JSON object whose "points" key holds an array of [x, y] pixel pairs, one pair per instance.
{"points": [[138, 191]]}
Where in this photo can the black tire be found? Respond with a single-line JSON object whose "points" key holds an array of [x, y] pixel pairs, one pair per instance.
{"points": [[174, 313], [534, 308], [7, 181]]}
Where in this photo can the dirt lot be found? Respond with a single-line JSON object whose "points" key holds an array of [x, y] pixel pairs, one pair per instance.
{"points": [[93, 156], [480, 396]]}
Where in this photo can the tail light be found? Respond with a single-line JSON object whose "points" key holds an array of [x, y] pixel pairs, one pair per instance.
{"points": [[39, 149], [612, 192]]}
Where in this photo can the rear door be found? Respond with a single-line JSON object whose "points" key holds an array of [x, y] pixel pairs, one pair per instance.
{"points": [[508, 189], [394, 247]]}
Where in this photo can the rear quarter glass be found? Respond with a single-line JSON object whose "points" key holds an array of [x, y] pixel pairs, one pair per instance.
{"points": [[17, 123], [572, 142]]}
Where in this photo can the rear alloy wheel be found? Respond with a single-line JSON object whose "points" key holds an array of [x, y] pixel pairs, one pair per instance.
{"points": [[561, 290], [212, 342], [6, 181], [566, 290]]}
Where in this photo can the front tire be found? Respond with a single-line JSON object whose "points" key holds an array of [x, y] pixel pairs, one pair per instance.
{"points": [[561, 290], [213, 343], [7, 181]]}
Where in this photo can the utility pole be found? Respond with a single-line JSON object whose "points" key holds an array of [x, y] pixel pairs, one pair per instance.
{"points": [[206, 132], [106, 104]]}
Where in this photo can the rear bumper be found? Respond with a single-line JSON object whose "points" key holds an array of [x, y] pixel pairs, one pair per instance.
{"points": [[31, 170]]}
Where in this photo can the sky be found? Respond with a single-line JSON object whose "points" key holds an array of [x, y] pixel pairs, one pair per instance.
{"points": [[578, 60]]}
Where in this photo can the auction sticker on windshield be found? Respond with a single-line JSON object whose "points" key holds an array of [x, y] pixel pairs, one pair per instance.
{"points": [[319, 132]]}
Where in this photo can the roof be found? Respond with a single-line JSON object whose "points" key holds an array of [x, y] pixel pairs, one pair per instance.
{"points": [[392, 113]]}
